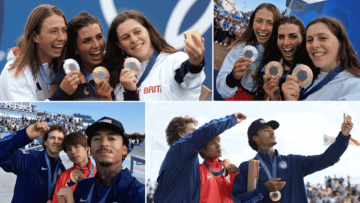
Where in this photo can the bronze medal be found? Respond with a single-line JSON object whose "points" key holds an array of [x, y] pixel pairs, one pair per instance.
{"points": [[274, 68], [303, 74], [133, 64], [100, 73], [76, 175], [275, 196]]}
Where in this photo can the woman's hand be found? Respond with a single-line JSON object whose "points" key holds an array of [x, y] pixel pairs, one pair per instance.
{"points": [[128, 79], [291, 88], [240, 67], [195, 51], [70, 82], [103, 90], [271, 87]]}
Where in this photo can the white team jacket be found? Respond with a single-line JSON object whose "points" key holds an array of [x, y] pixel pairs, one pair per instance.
{"points": [[23, 87], [246, 81], [344, 87], [160, 84]]}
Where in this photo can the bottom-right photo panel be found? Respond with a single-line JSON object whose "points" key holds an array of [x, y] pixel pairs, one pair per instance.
{"points": [[252, 152]]}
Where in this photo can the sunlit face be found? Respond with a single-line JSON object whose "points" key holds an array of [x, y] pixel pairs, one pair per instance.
{"points": [[77, 154], [265, 136], [53, 142], [213, 149], [289, 40], [322, 47], [107, 148], [90, 44], [51, 39], [134, 39], [190, 127], [263, 25]]}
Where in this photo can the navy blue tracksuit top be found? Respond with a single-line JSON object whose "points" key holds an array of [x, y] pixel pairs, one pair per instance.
{"points": [[29, 166], [179, 176], [292, 169]]}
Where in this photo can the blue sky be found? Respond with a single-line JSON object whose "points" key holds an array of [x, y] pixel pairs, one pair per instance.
{"points": [[252, 4], [130, 114]]}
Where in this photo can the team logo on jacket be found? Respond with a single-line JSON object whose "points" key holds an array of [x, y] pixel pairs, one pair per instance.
{"points": [[209, 175], [283, 164], [59, 172]]}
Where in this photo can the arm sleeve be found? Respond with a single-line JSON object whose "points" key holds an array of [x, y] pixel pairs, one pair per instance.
{"points": [[59, 94], [190, 145], [311, 164], [240, 193], [12, 159], [131, 95], [226, 83]]}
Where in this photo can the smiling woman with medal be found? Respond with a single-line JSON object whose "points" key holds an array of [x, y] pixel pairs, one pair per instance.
{"points": [[36, 171], [34, 74], [237, 71], [76, 147], [330, 50], [166, 74], [281, 178]]}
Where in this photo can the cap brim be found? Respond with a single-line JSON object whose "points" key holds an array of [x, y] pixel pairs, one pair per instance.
{"points": [[92, 129], [274, 124]]}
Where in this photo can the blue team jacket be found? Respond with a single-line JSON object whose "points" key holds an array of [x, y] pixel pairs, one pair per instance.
{"points": [[179, 176], [292, 169], [30, 167], [125, 188]]}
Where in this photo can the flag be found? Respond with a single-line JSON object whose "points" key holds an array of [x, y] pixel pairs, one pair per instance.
{"points": [[354, 142], [328, 140]]}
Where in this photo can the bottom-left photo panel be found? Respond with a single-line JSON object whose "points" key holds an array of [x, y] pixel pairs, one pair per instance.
{"points": [[72, 152]]}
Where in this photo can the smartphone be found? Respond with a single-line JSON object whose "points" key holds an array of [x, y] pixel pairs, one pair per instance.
{"points": [[345, 117], [188, 37]]}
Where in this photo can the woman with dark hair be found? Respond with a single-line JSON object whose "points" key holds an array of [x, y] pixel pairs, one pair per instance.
{"points": [[165, 74], [236, 75], [331, 51], [31, 75], [86, 45], [287, 48]]}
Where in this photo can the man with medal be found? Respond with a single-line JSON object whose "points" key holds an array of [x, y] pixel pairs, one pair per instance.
{"points": [[76, 147], [179, 176], [109, 147], [37, 171], [281, 178]]}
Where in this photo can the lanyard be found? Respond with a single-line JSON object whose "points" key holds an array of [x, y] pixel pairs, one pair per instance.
{"points": [[332, 74], [45, 78], [92, 170], [260, 57], [51, 184], [89, 197], [148, 67], [265, 167], [88, 78], [216, 173]]}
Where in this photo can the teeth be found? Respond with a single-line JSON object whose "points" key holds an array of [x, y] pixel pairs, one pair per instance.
{"points": [[138, 46], [320, 54], [287, 49], [263, 35], [58, 46], [98, 52]]}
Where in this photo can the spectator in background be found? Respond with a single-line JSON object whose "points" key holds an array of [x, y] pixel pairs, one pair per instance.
{"points": [[224, 27]]}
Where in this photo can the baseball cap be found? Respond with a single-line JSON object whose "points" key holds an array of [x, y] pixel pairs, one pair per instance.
{"points": [[257, 124], [106, 123]]}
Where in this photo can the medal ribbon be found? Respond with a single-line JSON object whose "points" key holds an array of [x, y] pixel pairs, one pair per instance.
{"points": [[148, 67], [45, 78], [265, 167], [332, 74], [261, 56], [216, 173], [51, 184], [88, 78]]}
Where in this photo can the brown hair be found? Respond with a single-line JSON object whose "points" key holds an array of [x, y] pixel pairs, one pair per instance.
{"points": [[346, 51], [73, 139], [52, 128], [83, 19], [114, 57], [28, 55], [177, 125], [249, 36], [201, 152]]}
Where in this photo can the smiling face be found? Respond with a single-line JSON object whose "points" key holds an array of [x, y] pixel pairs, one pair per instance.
{"points": [[107, 148], [77, 154], [265, 137], [322, 47], [53, 143], [134, 39], [51, 39], [289, 40], [263, 25], [90, 44]]}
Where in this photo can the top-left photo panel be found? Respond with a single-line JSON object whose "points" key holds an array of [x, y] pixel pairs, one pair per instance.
{"points": [[106, 50]]}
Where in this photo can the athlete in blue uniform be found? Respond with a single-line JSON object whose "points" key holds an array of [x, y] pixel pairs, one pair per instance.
{"points": [[36, 171], [289, 170], [108, 146], [179, 176]]}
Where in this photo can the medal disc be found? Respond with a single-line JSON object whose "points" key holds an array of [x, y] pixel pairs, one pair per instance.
{"points": [[249, 52], [100, 73], [133, 64], [275, 196], [76, 175], [274, 68], [70, 65], [303, 74]]}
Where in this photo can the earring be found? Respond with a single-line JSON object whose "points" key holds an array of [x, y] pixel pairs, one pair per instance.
{"points": [[76, 52], [123, 52]]}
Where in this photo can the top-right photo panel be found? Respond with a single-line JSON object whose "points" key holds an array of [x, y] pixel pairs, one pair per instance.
{"points": [[286, 50]]}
